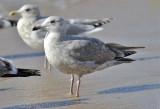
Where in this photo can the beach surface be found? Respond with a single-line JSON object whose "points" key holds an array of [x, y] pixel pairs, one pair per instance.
{"points": [[126, 86]]}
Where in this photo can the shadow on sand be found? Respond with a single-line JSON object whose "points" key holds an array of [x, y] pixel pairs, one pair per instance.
{"points": [[147, 58], [5, 89], [16, 56], [49, 104], [42, 54], [129, 89]]}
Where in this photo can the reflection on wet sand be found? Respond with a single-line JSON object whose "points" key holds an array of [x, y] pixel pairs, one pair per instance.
{"points": [[16, 56], [147, 58], [5, 89], [49, 104], [129, 89], [136, 23]]}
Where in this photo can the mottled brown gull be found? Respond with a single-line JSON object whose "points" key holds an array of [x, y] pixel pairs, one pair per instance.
{"points": [[8, 69], [79, 55], [30, 16]]}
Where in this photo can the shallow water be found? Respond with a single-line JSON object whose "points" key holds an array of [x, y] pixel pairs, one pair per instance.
{"points": [[127, 86]]}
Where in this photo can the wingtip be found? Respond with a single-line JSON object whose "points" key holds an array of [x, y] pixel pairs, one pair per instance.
{"points": [[111, 18], [28, 72], [125, 59], [142, 47], [108, 19]]}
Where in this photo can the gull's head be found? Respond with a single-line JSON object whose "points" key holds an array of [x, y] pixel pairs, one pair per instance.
{"points": [[28, 10], [52, 24]]}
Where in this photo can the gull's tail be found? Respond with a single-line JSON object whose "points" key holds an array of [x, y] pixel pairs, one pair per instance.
{"points": [[121, 47], [24, 73], [98, 23], [101, 22], [94, 25], [125, 60], [122, 51]]}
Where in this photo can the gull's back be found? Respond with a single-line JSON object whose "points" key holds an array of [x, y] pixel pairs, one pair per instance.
{"points": [[89, 49]]}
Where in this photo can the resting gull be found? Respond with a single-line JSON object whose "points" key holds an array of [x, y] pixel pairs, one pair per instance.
{"points": [[80, 55], [5, 23], [8, 69], [30, 16]]}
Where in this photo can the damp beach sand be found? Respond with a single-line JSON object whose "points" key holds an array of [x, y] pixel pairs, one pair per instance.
{"points": [[126, 86]]}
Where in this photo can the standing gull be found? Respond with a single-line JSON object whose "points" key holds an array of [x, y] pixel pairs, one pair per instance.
{"points": [[79, 55], [30, 16], [8, 69]]}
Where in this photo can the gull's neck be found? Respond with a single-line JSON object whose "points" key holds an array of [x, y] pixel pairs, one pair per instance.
{"points": [[38, 15], [32, 16], [57, 35]]}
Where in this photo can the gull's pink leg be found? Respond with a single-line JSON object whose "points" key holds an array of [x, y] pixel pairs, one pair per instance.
{"points": [[45, 62], [78, 86], [48, 65], [71, 86]]}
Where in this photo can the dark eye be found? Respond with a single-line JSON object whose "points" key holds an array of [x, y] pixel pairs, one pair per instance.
{"points": [[28, 10], [53, 21]]}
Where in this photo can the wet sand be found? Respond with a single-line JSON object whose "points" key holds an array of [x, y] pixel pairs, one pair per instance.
{"points": [[126, 86]]}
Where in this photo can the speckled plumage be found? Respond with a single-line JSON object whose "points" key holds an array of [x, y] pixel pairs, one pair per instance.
{"points": [[78, 55], [85, 54], [35, 38], [30, 17]]}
